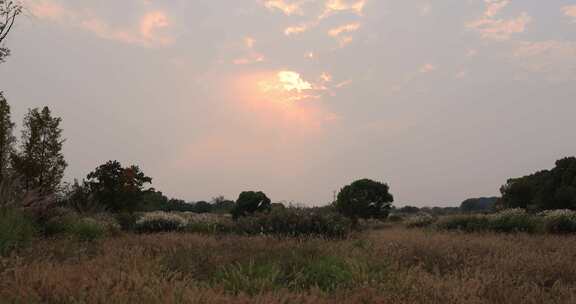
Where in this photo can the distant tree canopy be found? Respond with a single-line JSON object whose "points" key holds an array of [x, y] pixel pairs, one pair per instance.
{"points": [[409, 209], [543, 190], [39, 161], [365, 198], [482, 204], [250, 202], [118, 188], [9, 10]]}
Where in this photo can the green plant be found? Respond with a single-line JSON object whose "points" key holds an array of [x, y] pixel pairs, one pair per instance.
{"points": [[559, 221], [327, 273], [160, 222], [513, 220], [87, 230], [467, 223], [420, 221], [127, 220], [16, 230], [251, 278]]}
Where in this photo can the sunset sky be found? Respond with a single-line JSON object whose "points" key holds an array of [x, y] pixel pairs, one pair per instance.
{"points": [[442, 99]]}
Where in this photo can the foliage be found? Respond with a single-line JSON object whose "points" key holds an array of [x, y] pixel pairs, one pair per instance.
{"points": [[118, 188], [251, 278], [79, 198], [420, 220], [40, 161], [365, 199], [559, 221], [513, 220], [127, 220], [160, 221], [16, 230], [11, 191], [87, 230], [250, 202], [409, 210], [7, 138], [482, 204], [295, 222], [544, 190], [467, 223]]}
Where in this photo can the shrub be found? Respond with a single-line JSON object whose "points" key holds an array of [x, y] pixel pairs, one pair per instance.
{"points": [[160, 222], [327, 273], [127, 220], [420, 220], [513, 220], [16, 230], [251, 278], [87, 230], [468, 223], [559, 221], [296, 222]]}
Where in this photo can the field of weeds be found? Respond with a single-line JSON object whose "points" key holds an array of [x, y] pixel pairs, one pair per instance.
{"points": [[391, 265]]}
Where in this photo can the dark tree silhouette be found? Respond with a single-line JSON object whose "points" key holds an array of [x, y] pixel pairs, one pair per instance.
{"points": [[119, 188], [365, 198], [250, 202], [543, 190], [9, 10], [39, 161]]}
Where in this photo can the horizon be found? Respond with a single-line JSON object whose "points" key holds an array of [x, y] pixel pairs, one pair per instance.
{"points": [[442, 101]]}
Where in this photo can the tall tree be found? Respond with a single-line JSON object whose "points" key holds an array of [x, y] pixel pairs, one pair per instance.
{"points": [[365, 198], [119, 188], [7, 138], [9, 10], [40, 161]]}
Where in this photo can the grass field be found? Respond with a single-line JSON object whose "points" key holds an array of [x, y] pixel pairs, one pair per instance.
{"points": [[389, 265]]}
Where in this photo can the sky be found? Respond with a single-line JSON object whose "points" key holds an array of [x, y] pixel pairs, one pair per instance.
{"points": [[442, 99]]}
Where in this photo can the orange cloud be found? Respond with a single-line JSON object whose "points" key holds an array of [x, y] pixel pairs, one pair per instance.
{"points": [[340, 33], [146, 34], [252, 55], [427, 68], [297, 29], [288, 8], [570, 11], [336, 6], [491, 27]]}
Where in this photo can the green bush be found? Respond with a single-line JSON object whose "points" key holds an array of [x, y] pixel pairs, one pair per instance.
{"points": [[127, 220], [420, 221], [559, 221], [292, 222], [326, 273], [468, 223], [16, 230], [251, 278], [87, 230], [513, 220], [160, 222]]}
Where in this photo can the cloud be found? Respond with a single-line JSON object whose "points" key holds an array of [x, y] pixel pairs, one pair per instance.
{"points": [[340, 33], [338, 6], [297, 29], [427, 68], [570, 11], [252, 56], [491, 27], [286, 7], [553, 58], [146, 33]]}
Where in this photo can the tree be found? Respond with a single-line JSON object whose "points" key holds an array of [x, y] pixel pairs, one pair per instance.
{"points": [[365, 198], [409, 210], [40, 162], [7, 138], [482, 204], [250, 202], [222, 205], [543, 190], [119, 188], [202, 207], [9, 10]]}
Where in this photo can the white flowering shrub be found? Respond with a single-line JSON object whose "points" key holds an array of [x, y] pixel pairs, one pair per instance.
{"points": [[559, 221], [160, 222], [513, 220]]}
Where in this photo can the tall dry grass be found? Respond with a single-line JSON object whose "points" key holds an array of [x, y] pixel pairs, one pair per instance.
{"points": [[393, 265]]}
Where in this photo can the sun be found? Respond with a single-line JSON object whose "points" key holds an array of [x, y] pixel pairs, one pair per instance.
{"points": [[285, 86]]}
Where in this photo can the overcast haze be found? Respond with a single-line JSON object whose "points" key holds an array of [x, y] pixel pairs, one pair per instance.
{"points": [[444, 100]]}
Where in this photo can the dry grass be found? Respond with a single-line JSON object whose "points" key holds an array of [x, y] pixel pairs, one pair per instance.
{"points": [[393, 265]]}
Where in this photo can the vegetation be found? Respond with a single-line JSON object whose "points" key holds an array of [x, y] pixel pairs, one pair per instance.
{"points": [[365, 199], [9, 10], [250, 202], [543, 190]]}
